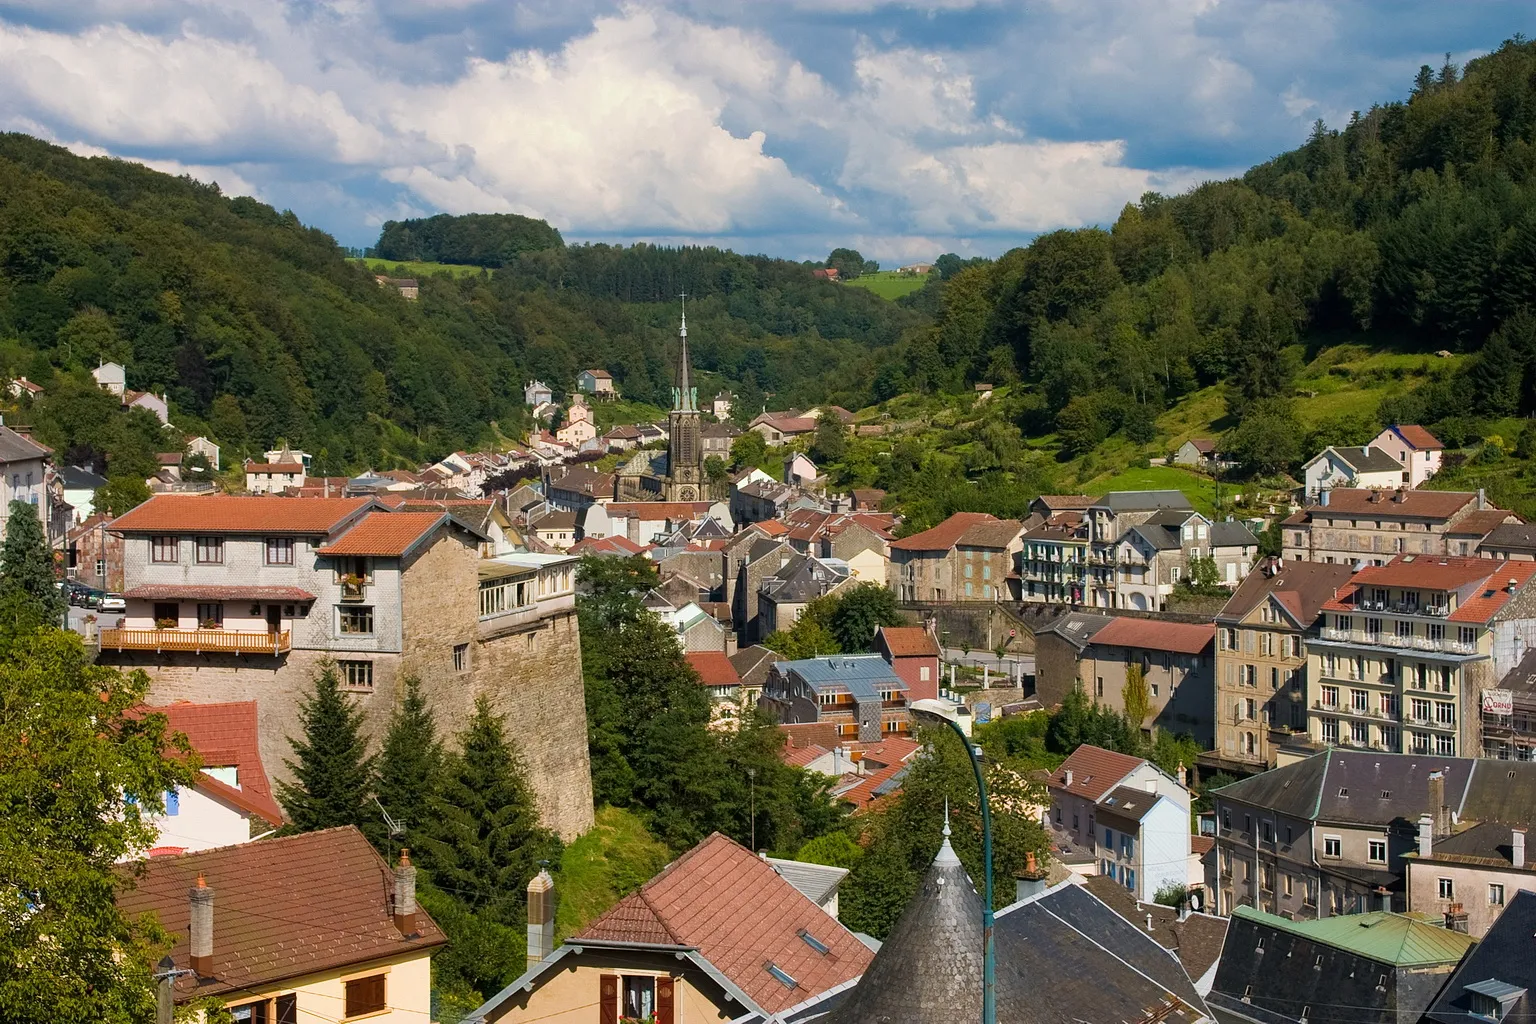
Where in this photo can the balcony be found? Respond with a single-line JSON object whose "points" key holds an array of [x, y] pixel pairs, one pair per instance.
{"points": [[195, 641], [1433, 611], [354, 590], [1411, 643]]}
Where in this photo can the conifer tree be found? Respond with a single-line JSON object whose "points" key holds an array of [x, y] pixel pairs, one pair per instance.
{"points": [[331, 764], [483, 840], [28, 584], [409, 765]]}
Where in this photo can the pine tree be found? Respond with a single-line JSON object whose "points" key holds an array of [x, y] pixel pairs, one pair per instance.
{"points": [[409, 766], [28, 584], [483, 840], [331, 764]]}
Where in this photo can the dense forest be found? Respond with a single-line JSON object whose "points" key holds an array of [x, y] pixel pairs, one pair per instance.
{"points": [[478, 239]]}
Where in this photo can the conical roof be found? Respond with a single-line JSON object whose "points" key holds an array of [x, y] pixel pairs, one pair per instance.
{"points": [[929, 969]]}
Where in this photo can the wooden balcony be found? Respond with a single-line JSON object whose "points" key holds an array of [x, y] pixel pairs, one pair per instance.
{"points": [[197, 641]]}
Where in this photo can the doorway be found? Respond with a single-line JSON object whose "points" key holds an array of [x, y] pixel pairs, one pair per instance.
{"points": [[274, 618]]}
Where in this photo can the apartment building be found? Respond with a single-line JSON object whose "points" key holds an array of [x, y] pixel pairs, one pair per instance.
{"points": [[1261, 659], [1153, 556], [1353, 525], [1406, 650], [247, 598], [862, 694], [971, 556], [1509, 714], [1108, 520], [1054, 559]]}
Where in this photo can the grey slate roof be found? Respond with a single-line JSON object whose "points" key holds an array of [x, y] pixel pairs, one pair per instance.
{"points": [[1142, 501], [14, 447], [1128, 802], [1368, 460], [1077, 628], [1231, 534], [928, 970], [816, 882], [1504, 955], [1358, 786], [1503, 791], [1511, 537], [1161, 538], [1196, 940]]}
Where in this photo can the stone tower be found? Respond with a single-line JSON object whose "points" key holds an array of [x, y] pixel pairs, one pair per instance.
{"points": [[685, 447]]}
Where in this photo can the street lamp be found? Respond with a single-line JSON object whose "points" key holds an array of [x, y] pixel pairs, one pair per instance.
{"points": [[988, 949]]}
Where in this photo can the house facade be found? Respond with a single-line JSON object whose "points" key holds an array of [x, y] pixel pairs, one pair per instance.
{"points": [[971, 556], [1365, 467], [861, 693], [1350, 525], [596, 382], [1415, 449]]}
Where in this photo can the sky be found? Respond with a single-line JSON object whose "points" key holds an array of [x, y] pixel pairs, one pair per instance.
{"points": [[902, 128]]}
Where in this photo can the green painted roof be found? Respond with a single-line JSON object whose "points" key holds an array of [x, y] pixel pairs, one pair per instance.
{"points": [[1386, 938]]}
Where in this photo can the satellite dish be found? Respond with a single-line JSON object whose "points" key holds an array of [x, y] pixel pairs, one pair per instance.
{"points": [[1196, 900]]}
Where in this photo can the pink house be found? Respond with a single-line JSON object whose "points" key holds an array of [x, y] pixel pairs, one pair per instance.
{"points": [[1415, 449], [914, 656]]}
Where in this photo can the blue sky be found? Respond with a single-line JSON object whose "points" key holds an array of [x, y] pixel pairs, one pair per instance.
{"points": [[905, 128]]}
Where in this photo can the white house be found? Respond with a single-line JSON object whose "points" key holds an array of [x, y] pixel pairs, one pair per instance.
{"points": [[1416, 450], [21, 386], [206, 448], [1364, 467], [537, 393], [150, 402], [287, 454], [799, 469], [273, 477], [1143, 840], [80, 486], [647, 522], [111, 376]]}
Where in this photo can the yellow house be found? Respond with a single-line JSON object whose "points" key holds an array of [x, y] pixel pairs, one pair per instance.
{"points": [[308, 929], [717, 935]]}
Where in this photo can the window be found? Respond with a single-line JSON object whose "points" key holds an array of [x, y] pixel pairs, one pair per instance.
{"points": [[1288, 884], [1359, 733], [922, 673], [1418, 710], [210, 551], [1330, 730], [1445, 713], [355, 619], [364, 995], [1130, 879], [1109, 838], [164, 549], [1309, 897], [210, 615], [356, 675], [101, 567], [1333, 846], [1447, 889], [461, 657], [1267, 877], [1357, 701], [1495, 895], [1389, 737], [279, 550], [1378, 851], [172, 802], [1445, 745], [1467, 635], [781, 976], [1330, 696]]}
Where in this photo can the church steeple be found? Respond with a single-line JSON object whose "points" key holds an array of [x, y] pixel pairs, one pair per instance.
{"points": [[685, 446], [685, 397]]}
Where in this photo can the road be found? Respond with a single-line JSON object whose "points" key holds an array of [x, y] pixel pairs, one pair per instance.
{"points": [[1007, 665]]}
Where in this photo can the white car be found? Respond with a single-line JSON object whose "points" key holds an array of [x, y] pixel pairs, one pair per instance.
{"points": [[114, 603]]}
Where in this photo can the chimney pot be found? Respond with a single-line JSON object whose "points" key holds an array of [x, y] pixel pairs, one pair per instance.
{"points": [[200, 928], [405, 894]]}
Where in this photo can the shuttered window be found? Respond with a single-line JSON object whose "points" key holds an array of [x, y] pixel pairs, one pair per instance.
{"points": [[608, 999], [288, 1009], [665, 1014], [365, 995]]}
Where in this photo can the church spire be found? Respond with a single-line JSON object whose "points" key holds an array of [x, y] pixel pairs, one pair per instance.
{"points": [[684, 395]]}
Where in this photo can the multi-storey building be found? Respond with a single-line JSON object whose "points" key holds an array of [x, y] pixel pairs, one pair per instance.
{"points": [[247, 598], [1509, 714], [1353, 526], [1054, 560], [862, 693], [1261, 659], [1108, 520], [1415, 449], [971, 556], [27, 475], [1152, 557], [1350, 467], [1405, 651]]}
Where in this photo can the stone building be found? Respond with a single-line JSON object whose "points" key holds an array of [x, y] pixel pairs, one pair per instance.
{"points": [[861, 693], [1351, 525], [1261, 660], [971, 556], [247, 598]]}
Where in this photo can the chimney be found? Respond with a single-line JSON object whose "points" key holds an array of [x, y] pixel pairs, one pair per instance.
{"points": [[1183, 775], [1400, 495], [730, 642], [1385, 898], [1150, 785], [1509, 588], [1066, 778], [1322, 498], [1426, 835], [1031, 881], [541, 917], [405, 894], [1482, 499], [200, 929], [1517, 848], [1149, 922], [1437, 805]]}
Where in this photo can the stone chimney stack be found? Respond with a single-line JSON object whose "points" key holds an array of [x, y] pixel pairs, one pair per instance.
{"points": [[541, 917], [200, 928], [731, 644], [1437, 804], [405, 894], [1032, 880], [1426, 835], [1183, 775], [1517, 847]]}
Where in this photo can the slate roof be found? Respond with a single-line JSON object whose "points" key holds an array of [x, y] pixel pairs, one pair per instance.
{"points": [[1101, 967], [816, 882], [80, 478], [1128, 802], [282, 908], [1502, 791], [225, 736], [1196, 940], [1511, 537], [804, 578], [741, 915], [1229, 533], [225, 513], [1142, 501], [1503, 955], [1156, 635], [15, 447], [1364, 459], [1095, 771], [909, 642], [752, 663], [1077, 628], [1347, 786], [1486, 844], [929, 967], [1302, 588]]}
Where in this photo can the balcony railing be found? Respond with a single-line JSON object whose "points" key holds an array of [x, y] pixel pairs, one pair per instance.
{"points": [[197, 641], [1412, 643]]}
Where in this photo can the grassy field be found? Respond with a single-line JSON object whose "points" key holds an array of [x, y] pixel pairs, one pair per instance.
{"points": [[609, 862], [889, 284], [1200, 490], [416, 268]]}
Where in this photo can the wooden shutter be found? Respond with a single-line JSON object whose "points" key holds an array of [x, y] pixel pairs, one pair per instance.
{"points": [[288, 1009], [608, 999], [665, 1014]]}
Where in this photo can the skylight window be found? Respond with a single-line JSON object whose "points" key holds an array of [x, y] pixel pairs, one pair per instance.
{"points": [[780, 975], [814, 942]]}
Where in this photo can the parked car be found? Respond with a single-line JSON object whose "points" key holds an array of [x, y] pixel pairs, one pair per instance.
{"points": [[113, 603], [91, 598]]}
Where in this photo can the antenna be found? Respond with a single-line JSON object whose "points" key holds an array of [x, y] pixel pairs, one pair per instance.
{"points": [[396, 828]]}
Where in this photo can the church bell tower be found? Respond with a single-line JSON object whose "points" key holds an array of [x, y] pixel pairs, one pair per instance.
{"points": [[685, 448]]}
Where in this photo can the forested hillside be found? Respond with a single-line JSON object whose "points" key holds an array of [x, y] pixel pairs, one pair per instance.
{"points": [[260, 329]]}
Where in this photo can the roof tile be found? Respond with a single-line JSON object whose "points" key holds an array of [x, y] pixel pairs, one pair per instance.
{"points": [[225, 513]]}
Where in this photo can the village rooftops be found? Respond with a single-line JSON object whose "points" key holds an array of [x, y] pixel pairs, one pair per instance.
{"points": [[714, 668], [1300, 588], [283, 908], [1382, 936], [224, 736], [245, 514], [1067, 502], [1364, 786], [1142, 501], [946, 535], [909, 642], [1093, 772], [1482, 586], [392, 534], [862, 675], [1156, 635]]}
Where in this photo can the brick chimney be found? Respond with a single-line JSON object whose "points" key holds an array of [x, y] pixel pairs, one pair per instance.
{"points": [[200, 928], [405, 894], [541, 917], [1517, 847], [731, 644], [1032, 880]]}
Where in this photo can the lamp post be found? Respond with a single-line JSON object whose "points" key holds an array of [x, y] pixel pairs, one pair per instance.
{"points": [[988, 949]]}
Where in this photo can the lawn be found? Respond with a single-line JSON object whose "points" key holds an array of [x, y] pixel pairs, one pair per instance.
{"points": [[890, 284], [613, 859], [417, 268], [1200, 490]]}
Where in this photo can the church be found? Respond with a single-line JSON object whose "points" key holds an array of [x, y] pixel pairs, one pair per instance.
{"points": [[679, 474]]}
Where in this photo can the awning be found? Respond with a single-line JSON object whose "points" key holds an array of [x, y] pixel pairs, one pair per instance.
{"points": [[180, 591]]}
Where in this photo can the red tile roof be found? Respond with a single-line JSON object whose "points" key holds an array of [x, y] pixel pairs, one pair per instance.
{"points": [[1157, 635], [909, 642], [282, 908], [802, 756], [386, 534], [772, 528], [1487, 578], [944, 536], [1417, 436], [606, 545], [1201, 845], [863, 794], [224, 513], [714, 668], [1095, 771], [741, 915], [183, 592], [809, 734], [890, 750], [224, 736]]}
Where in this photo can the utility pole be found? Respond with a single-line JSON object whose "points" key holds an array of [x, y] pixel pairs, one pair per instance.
{"points": [[752, 803], [165, 997]]}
